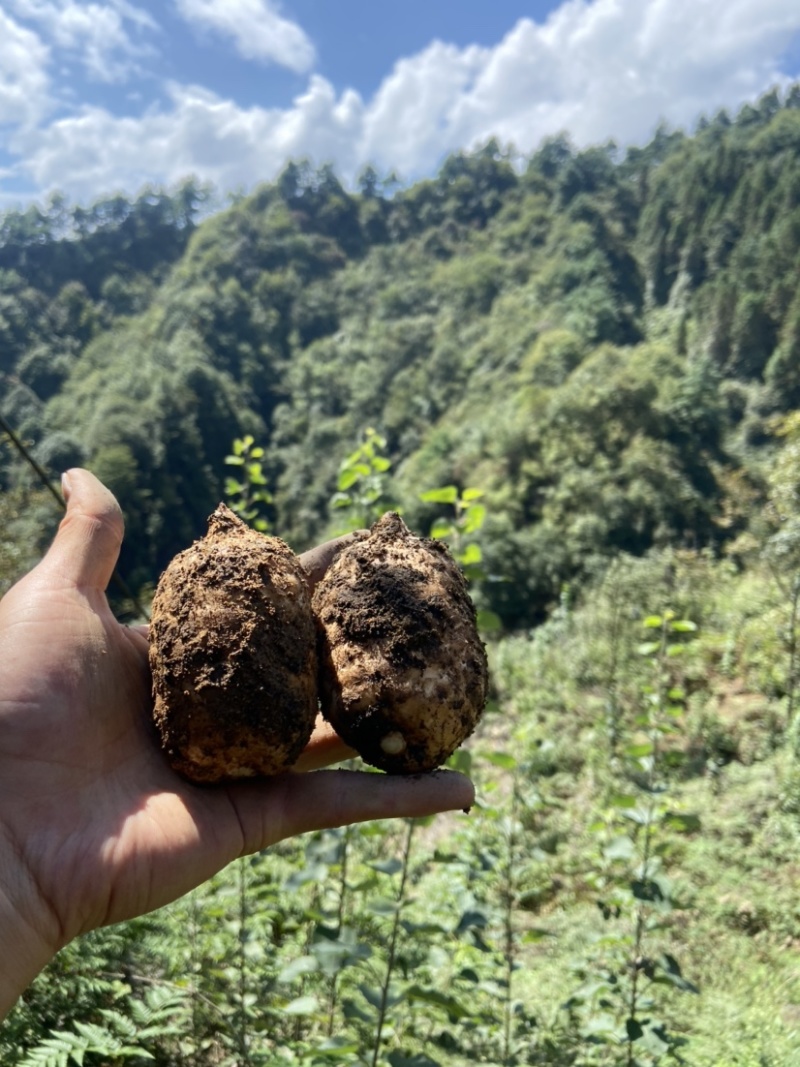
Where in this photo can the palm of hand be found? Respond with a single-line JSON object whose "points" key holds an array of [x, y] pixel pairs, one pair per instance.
{"points": [[106, 830]]}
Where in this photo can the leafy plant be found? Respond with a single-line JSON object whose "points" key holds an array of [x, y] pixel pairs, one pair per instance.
{"points": [[247, 495], [363, 483], [618, 1001], [121, 1033], [459, 530]]}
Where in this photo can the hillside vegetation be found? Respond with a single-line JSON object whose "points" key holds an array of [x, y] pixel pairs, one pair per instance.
{"points": [[586, 371]]}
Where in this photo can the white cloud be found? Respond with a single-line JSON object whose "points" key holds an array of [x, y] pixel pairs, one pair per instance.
{"points": [[611, 68], [200, 134], [410, 119], [258, 30], [96, 32], [23, 73]]}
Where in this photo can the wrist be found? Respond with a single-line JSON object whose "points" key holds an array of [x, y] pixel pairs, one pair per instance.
{"points": [[25, 948]]}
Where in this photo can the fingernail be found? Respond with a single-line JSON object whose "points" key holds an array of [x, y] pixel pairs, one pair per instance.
{"points": [[66, 488]]}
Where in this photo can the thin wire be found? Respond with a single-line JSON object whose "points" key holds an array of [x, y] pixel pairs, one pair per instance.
{"points": [[44, 478], [20, 447]]}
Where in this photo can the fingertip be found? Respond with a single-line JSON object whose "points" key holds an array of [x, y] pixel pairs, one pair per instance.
{"points": [[86, 546], [458, 787]]}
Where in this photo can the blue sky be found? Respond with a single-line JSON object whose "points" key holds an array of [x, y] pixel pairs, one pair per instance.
{"points": [[105, 95]]}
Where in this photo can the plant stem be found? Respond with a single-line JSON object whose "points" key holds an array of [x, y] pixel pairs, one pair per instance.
{"points": [[656, 716], [613, 710], [793, 649], [244, 1051], [508, 920], [638, 937], [332, 1001], [195, 967], [392, 944]]}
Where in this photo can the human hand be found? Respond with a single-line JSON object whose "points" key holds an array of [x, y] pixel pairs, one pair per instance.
{"points": [[95, 827]]}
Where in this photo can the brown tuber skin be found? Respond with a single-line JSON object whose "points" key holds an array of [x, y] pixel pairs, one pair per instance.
{"points": [[232, 652], [403, 672]]}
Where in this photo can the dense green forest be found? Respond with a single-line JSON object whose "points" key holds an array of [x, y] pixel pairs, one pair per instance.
{"points": [[586, 370]]}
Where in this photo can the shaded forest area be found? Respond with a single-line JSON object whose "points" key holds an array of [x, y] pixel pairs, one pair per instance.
{"points": [[605, 343]]}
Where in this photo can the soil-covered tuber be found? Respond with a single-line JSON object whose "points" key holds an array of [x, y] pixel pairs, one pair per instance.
{"points": [[403, 672], [233, 657]]}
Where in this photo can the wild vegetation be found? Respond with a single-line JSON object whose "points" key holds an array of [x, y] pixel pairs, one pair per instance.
{"points": [[586, 373]]}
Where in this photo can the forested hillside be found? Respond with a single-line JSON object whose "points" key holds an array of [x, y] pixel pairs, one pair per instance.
{"points": [[600, 341], [585, 372]]}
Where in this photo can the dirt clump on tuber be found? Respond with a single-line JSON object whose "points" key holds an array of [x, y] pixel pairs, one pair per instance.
{"points": [[233, 655], [403, 672]]}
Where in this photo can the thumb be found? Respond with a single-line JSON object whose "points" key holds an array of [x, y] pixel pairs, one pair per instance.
{"points": [[86, 546]]}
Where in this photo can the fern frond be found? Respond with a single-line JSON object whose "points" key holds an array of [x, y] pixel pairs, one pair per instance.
{"points": [[57, 1051], [125, 1028]]}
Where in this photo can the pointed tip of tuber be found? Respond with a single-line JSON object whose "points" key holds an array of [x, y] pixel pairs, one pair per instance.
{"points": [[224, 521], [390, 525]]}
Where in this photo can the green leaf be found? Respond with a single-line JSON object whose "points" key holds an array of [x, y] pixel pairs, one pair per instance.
{"points": [[349, 477], [471, 494], [423, 928], [381, 464], [621, 848], [501, 759], [335, 1047], [600, 1026], [655, 1039], [648, 648], [683, 626], [633, 1028], [683, 822], [374, 997], [671, 974], [454, 1008], [442, 529], [461, 761], [470, 555], [648, 890], [623, 800], [391, 866], [642, 816], [301, 1006], [351, 1010], [314, 872], [383, 907], [472, 919], [399, 1059], [302, 965], [637, 751], [334, 956], [447, 494], [488, 622], [535, 935], [474, 518], [653, 622]]}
